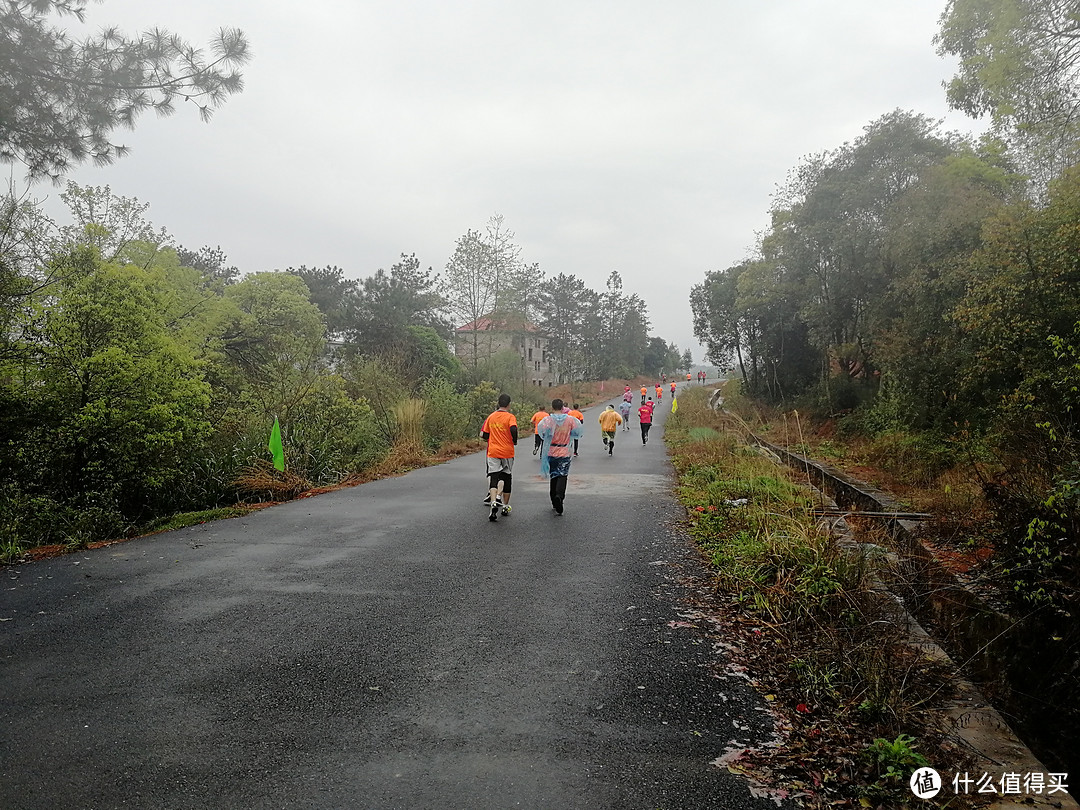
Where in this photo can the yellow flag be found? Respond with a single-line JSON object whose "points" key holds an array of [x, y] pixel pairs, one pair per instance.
{"points": [[674, 404]]}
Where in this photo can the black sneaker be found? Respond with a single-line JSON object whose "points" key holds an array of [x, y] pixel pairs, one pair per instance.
{"points": [[494, 513]]}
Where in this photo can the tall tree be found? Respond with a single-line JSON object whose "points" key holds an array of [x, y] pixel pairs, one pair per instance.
{"points": [[211, 262], [717, 317], [828, 233], [60, 99], [334, 295], [470, 294], [564, 314], [1019, 63], [26, 244], [504, 263], [392, 307], [108, 222]]}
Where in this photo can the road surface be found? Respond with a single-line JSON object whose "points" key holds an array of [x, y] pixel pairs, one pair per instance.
{"points": [[382, 646]]}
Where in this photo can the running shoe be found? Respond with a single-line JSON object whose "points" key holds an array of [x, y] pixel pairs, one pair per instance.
{"points": [[494, 513]]}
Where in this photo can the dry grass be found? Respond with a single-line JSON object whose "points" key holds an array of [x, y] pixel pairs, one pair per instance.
{"points": [[409, 416], [261, 481]]}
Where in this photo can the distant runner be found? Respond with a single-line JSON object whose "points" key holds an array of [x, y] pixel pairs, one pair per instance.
{"points": [[645, 417], [537, 441], [609, 423], [624, 411], [574, 412]]}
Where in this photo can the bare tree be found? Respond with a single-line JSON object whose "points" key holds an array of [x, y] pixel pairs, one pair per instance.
{"points": [[470, 288]]}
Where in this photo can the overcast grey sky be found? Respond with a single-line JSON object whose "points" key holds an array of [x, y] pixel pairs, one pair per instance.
{"points": [[641, 137]]}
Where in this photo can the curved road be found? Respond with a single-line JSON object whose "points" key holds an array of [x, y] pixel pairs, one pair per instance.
{"points": [[384, 646]]}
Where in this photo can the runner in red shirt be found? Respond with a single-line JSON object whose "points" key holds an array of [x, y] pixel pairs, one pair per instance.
{"points": [[645, 417]]}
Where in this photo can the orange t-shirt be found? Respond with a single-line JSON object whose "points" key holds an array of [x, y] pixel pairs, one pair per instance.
{"points": [[578, 415], [536, 417], [644, 390], [500, 440]]}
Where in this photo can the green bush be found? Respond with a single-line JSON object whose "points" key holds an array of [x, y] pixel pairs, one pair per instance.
{"points": [[447, 417], [916, 458]]}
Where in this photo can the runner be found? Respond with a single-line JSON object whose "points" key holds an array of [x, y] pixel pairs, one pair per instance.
{"points": [[574, 412], [627, 394], [659, 393], [644, 392], [645, 417], [673, 389], [609, 423], [624, 410], [500, 432], [557, 429], [536, 417]]}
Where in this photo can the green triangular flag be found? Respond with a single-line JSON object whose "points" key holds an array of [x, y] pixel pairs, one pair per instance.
{"points": [[275, 446]]}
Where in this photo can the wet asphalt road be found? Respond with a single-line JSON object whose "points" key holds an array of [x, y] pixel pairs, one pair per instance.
{"points": [[384, 646]]}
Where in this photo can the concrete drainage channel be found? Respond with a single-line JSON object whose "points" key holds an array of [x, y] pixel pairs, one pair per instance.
{"points": [[970, 719]]}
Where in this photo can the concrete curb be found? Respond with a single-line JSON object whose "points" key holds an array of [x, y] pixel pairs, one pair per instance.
{"points": [[969, 719]]}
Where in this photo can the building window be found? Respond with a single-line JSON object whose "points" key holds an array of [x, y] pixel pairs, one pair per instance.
{"points": [[530, 354]]}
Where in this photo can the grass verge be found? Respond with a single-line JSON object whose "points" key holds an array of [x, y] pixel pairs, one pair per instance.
{"points": [[856, 701]]}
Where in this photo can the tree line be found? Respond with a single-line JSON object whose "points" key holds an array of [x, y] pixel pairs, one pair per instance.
{"points": [[139, 378], [927, 283]]}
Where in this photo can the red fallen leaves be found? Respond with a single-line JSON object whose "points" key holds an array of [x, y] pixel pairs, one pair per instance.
{"points": [[802, 707]]}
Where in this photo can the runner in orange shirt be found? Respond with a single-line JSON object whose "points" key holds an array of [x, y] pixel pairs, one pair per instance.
{"points": [[537, 441], [500, 432], [574, 412], [644, 393]]}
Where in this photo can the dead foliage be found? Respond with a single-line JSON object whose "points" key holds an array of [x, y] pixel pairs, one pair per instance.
{"points": [[261, 481]]}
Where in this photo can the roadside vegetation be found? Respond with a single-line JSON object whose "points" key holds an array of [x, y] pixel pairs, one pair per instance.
{"points": [[911, 314], [140, 380], [824, 645]]}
